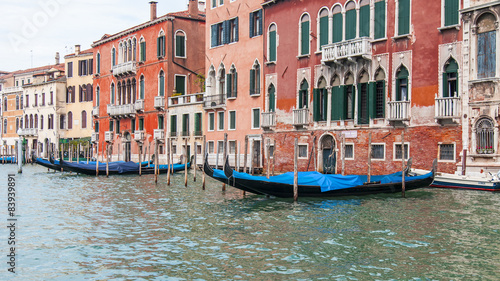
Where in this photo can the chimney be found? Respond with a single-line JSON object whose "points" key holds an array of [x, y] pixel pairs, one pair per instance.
{"points": [[193, 8], [57, 57], [77, 50], [152, 5]]}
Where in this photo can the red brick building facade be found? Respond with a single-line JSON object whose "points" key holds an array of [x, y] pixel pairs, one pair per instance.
{"points": [[350, 69]]}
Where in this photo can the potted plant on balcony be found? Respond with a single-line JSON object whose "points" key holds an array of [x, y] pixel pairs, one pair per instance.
{"points": [[199, 97]]}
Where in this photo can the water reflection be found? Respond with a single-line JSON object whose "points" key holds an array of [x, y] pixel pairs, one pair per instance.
{"points": [[128, 228]]}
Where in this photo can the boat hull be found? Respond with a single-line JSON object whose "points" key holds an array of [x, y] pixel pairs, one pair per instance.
{"points": [[466, 183]]}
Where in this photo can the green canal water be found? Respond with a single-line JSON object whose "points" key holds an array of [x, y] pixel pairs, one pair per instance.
{"points": [[73, 227]]}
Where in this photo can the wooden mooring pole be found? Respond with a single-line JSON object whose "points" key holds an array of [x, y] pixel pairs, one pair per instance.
{"points": [[140, 159], [295, 172], [369, 156], [268, 144], [274, 153], [204, 155], [156, 161], [169, 163], [343, 154], [186, 161], [224, 156], [107, 160], [194, 160], [403, 163]]}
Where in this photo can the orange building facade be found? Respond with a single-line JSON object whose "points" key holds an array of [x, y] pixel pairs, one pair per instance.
{"points": [[136, 70]]}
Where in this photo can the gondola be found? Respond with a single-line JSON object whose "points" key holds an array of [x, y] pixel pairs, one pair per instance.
{"points": [[7, 159], [220, 176], [314, 184], [50, 164], [118, 168]]}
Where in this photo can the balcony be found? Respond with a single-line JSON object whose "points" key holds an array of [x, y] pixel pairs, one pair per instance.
{"points": [[160, 102], [268, 120], [185, 134], [359, 47], [159, 134], [108, 136], [95, 137], [447, 108], [121, 111], [139, 135], [125, 68], [95, 111], [139, 105], [185, 99], [28, 132], [301, 117], [198, 134], [214, 101], [12, 90], [399, 111]]}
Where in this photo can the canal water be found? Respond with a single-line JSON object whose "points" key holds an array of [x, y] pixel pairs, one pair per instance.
{"points": [[74, 227]]}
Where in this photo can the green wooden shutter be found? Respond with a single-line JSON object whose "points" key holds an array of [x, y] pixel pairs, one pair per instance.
{"points": [[272, 46], [360, 114], [226, 31], [451, 12], [272, 105], [337, 28], [398, 90], [304, 38], [180, 84], [143, 51], [158, 47], [256, 118], [141, 124], [261, 21], [141, 89], [372, 100], [323, 31], [98, 63], [178, 51], [445, 85], [235, 84], [364, 21], [214, 35], [162, 86], [333, 101], [236, 28], [251, 25], [300, 98], [232, 120], [252, 81], [173, 123], [350, 24], [197, 122], [228, 85], [404, 17], [325, 104], [316, 108], [383, 99], [380, 19], [341, 103]]}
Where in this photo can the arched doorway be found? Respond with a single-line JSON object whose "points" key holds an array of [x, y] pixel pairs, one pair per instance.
{"points": [[328, 156], [127, 151]]}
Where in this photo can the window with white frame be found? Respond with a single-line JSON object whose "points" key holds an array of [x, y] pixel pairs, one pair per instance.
{"points": [[232, 147], [349, 151], [378, 151], [220, 147], [302, 151], [180, 44], [220, 116], [211, 147], [398, 151], [232, 120], [447, 152], [304, 35], [211, 121], [255, 118]]}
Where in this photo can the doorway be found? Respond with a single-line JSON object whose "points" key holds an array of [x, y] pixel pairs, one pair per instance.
{"points": [[329, 156]]}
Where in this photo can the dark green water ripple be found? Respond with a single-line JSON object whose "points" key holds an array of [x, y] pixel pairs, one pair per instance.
{"points": [[127, 228]]}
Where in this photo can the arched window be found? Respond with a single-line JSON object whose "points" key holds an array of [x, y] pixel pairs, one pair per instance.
{"points": [[119, 96], [402, 84], [304, 94], [364, 18], [120, 53], [161, 84], [255, 79], [142, 89], [17, 102], [70, 120], [36, 121], [26, 121], [31, 121], [17, 124], [379, 94], [180, 44], [272, 98], [222, 81], [134, 49], [41, 122], [134, 90], [350, 20], [363, 100], [84, 119], [113, 57], [323, 28], [486, 46], [5, 126], [450, 79], [5, 104], [160, 45], [337, 20], [232, 83], [272, 49], [143, 50], [98, 63], [485, 136], [97, 94], [130, 57], [112, 93], [320, 97], [304, 35]]}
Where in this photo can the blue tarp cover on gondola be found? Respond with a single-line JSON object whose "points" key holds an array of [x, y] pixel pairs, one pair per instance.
{"points": [[175, 167], [325, 182], [119, 167]]}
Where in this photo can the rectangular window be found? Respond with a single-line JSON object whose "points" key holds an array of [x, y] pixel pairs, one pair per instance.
{"points": [[349, 151], [143, 51], [161, 122], [451, 8], [217, 33], [256, 118], [364, 21], [62, 122], [233, 30], [141, 124], [378, 151], [174, 149], [256, 23], [185, 125], [198, 149], [70, 69], [220, 115], [486, 54], [232, 147], [211, 121], [447, 152], [197, 124], [132, 125], [180, 84], [271, 151], [211, 147], [173, 125], [180, 45], [214, 3], [403, 17], [272, 45], [232, 120], [302, 151], [304, 38], [220, 147], [398, 153], [117, 126]]}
